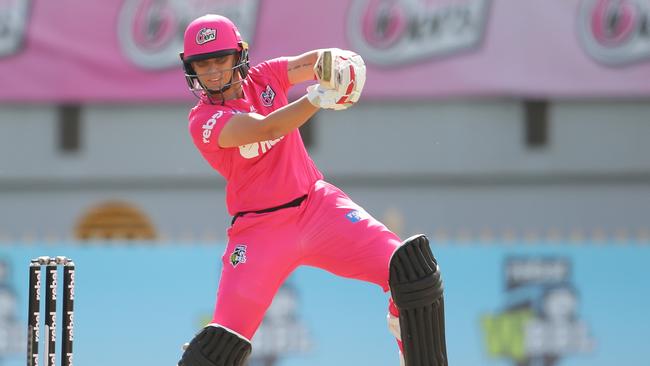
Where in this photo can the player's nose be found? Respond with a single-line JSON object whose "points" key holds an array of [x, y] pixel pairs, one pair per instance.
{"points": [[215, 72]]}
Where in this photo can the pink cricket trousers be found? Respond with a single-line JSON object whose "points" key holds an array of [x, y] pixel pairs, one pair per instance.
{"points": [[327, 231]]}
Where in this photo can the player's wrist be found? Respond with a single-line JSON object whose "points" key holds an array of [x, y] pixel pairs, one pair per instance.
{"points": [[341, 71], [320, 97], [310, 99]]}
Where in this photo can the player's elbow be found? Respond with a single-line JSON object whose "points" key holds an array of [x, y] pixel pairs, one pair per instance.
{"points": [[274, 133], [246, 129], [266, 128], [274, 126]]}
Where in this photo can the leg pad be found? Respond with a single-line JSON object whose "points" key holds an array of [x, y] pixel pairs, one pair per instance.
{"points": [[416, 288], [216, 346]]}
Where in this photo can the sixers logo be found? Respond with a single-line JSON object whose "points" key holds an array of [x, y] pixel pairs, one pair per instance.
{"points": [[206, 35], [393, 32], [150, 32], [615, 32], [14, 17], [268, 96], [383, 22], [612, 22]]}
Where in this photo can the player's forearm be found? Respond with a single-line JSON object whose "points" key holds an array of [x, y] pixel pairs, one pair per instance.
{"points": [[301, 68], [286, 119]]}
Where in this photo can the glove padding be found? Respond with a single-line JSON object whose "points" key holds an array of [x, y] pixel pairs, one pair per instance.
{"points": [[326, 98], [341, 76]]}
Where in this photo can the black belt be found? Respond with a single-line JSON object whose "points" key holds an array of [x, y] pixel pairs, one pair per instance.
{"points": [[293, 203]]}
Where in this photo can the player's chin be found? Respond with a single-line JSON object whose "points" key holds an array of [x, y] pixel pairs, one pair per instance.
{"points": [[213, 85]]}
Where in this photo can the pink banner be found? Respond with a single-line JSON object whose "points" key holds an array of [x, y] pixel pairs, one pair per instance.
{"points": [[127, 51]]}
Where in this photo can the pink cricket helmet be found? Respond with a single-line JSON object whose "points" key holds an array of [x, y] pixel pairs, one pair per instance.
{"points": [[211, 36]]}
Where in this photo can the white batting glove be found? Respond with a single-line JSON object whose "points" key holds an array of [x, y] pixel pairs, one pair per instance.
{"points": [[326, 98], [341, 71]]}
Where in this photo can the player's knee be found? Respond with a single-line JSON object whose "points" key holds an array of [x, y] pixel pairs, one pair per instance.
{"points": [[215, 345], [415, 279]]}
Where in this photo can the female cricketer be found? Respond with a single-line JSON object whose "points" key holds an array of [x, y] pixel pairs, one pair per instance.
{"points": [[284, 213]]}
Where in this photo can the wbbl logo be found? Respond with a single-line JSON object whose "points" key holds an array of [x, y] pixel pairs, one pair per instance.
{"points": [[238, 255], [539, 323]]}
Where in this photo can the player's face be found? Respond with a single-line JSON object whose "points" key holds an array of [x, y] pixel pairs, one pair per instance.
{"points": [[214, 73]]}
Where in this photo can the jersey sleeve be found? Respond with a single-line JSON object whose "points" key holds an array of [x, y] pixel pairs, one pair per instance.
{"points": [[277, 69], [205, 127]]}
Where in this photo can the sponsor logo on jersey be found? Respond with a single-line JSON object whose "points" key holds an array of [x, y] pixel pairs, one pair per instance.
{"points": [[256, 149], [354, 216], [209, 125]]}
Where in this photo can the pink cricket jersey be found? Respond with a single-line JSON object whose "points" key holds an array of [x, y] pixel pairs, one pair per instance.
{"points": [[262, 174]]}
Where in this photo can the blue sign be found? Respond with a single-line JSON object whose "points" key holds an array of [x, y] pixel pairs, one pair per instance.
{"points": [[575, 305]]}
